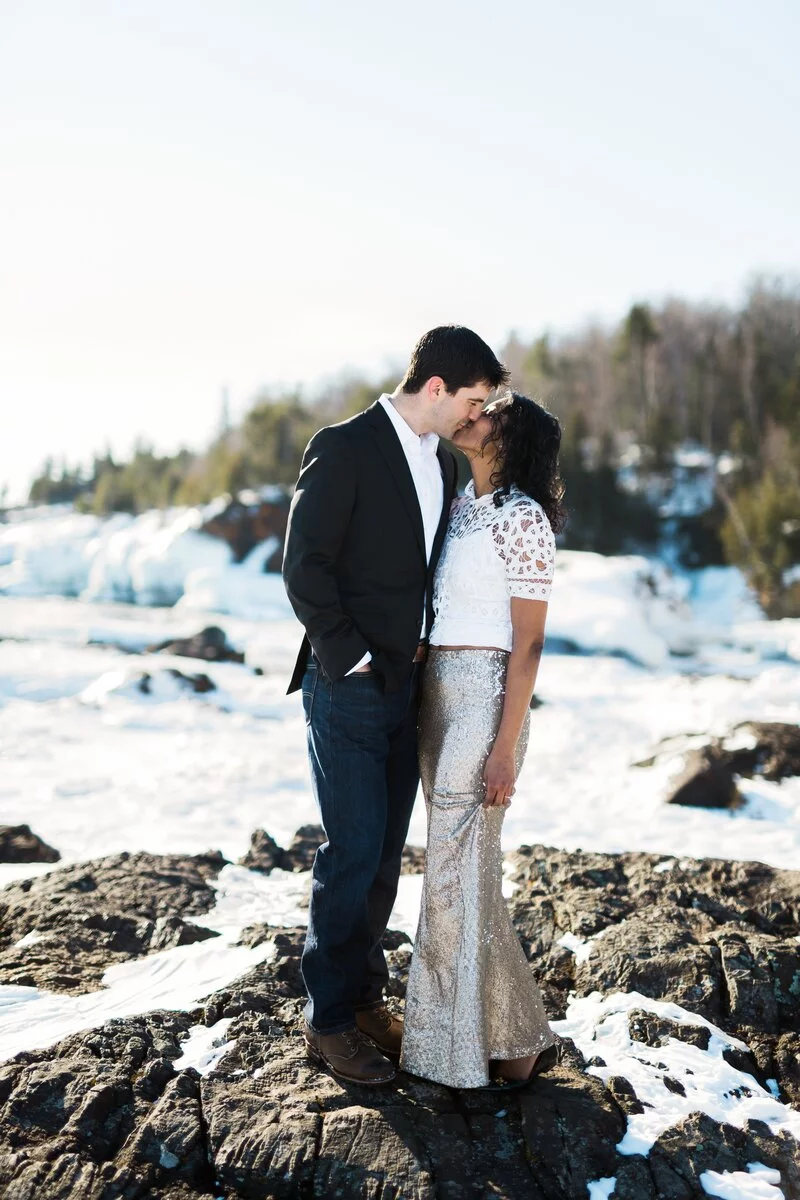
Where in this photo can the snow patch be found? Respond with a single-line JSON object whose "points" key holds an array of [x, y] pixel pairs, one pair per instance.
{"points": [[205, 1046], [31, 939], [598, 1025], [583, 948], [580, 947], [602, 1189], [758, 1182], [242, 590]]}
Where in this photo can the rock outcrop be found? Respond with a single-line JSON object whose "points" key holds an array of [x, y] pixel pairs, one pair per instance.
{"points": [[706, 775], [114, 1112], [210, 644], [250, 519], [18, 844], [718, 937], [264, 852], [76, 921]]}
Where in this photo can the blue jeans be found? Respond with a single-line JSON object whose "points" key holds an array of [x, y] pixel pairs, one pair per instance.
{"points": [[362, 747]]}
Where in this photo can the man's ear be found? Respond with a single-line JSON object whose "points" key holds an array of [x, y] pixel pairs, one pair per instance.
{"points": [[435, 387]]}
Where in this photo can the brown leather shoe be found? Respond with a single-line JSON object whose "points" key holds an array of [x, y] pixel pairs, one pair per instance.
{"points": [[382, 1028], [349, 1055]]}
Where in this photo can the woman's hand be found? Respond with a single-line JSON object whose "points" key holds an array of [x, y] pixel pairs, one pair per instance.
{"points": [[499, 777]]}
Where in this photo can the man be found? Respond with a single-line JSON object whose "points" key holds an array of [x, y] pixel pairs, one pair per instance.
{"points": [[365, 531]]}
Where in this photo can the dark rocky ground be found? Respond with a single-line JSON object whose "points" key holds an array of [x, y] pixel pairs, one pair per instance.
{"points": [[97, 913], [104, 1114]]}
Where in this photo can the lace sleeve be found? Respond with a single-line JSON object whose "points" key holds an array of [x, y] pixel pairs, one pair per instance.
{"points": [[526, 544]]}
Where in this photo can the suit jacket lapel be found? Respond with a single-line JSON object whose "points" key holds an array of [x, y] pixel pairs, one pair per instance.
{"points": [[394, 456]]}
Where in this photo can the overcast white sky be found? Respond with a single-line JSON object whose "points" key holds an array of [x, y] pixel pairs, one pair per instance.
{"points": [[199, 194]]}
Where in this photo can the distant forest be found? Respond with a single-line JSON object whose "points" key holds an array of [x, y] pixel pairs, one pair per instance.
{"points": [[722, 379]]}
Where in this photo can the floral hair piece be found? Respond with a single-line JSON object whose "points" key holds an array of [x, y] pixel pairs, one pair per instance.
{"points": [[502, 398]]}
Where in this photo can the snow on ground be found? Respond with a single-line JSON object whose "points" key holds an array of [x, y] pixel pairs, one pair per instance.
{"points": [[626, 605], [181, 977], [96, 767], [205, 1046], [758, 1182], [598, 1025]]}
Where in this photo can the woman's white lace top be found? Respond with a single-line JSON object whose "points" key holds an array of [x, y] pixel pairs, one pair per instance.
{"points": [[489, 555]]}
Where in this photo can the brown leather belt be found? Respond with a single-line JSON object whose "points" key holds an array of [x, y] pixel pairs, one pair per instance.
{"points": [[422, 653]]}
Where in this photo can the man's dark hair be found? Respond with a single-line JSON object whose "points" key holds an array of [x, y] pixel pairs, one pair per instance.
{"points": [[456, 355]]}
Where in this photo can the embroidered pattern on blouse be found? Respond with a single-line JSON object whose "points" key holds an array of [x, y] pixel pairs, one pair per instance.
{"points": [[514, 557]]}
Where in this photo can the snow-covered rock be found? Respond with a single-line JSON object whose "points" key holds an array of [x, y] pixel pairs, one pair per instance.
{"points": [[162, 686], [242, 590], [161, 566], [147, 561], [625, 605], [49, 556], [110, 575]]}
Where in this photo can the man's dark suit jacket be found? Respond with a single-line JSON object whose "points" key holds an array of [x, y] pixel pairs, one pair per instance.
{"points": [[354, 564]]}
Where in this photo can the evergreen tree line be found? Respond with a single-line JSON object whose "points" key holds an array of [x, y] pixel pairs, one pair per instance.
{"points": [[726, 380]]}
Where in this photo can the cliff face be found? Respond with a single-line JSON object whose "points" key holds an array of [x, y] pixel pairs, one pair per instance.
{"points": [[674, 985]]}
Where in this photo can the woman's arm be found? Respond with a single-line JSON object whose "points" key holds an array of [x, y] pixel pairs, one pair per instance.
{"points": [[527, 622]]}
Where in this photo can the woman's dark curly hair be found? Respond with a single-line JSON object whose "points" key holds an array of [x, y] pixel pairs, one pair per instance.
{"points": [[528, 438]]}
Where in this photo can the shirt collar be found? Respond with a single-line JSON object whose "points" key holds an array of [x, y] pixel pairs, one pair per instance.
{"points": [[427, 443], [469, 492]]}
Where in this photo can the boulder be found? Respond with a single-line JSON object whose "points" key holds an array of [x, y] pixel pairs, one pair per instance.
{"points": [[264, 852], [19, 845], [775, 753], [210, 644], [706, 780], [250, 519], [199, 683], [706, 775], [413, 860], [303, 847]]}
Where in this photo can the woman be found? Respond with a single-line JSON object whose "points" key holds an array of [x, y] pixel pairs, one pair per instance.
{"points": [[474, 1013]]}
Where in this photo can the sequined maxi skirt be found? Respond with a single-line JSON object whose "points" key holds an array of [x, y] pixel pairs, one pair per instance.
{"points": [[472, 995]]}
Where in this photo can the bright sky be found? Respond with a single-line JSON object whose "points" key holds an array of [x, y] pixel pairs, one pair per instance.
{"points": [[197, 194]]}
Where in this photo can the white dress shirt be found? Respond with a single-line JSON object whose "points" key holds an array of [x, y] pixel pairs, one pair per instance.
{"points": [[420, 452]]}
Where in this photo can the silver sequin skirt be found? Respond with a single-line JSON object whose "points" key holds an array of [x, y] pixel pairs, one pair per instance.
{"points": [[472, 995]]}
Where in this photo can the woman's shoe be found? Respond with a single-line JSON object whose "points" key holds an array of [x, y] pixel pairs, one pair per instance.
{"points": [[546, 1059]]}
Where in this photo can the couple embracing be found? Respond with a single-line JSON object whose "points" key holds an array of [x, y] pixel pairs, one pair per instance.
{"points": [[424, 615]]}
